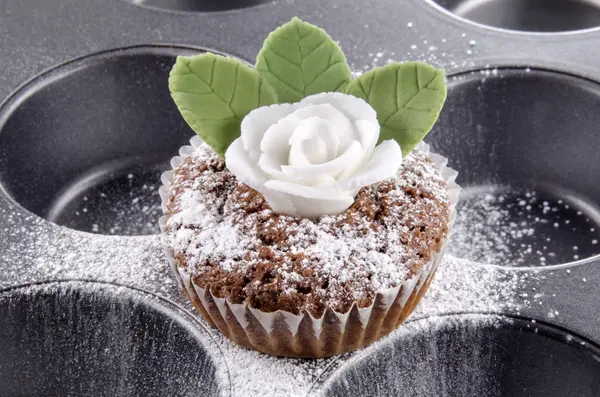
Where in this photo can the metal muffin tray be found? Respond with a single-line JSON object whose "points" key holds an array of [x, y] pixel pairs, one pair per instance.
{"points": [[87, 303]]}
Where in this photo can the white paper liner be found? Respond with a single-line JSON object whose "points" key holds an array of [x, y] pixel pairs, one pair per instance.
{"points": [[284, 333]]}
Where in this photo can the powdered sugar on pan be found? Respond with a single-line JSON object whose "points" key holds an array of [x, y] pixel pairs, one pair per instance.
{"points": [[42, 251], [522, 227], [451, 55], [256, 374], [460, 286], [464, 286], [334, 260], [127, 203], [48, 252], [449, 356]]}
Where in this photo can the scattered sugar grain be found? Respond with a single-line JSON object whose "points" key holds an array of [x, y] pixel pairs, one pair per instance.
{"points": [[60, 253], [460, 285]]}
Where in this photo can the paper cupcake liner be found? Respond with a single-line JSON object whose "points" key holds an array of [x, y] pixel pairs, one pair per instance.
{"points": [[286, 334]]}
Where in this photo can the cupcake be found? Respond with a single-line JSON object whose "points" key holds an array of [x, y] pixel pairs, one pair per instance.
{"points": [[307, 218]]}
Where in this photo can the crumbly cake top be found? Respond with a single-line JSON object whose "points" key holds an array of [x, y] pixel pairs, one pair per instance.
{"points": [[225, 235]]}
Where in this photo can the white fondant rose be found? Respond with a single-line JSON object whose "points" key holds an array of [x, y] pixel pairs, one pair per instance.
{"points": [[312, 157]]}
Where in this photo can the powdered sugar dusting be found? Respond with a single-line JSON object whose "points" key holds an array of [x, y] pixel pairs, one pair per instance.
{"points": [[256, 374], [441, 53], [460, 286], [50, 252], [503, 225], [390, 232], [47, 252]]}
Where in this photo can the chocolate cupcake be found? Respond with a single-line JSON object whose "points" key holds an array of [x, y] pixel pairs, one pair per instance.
{"points": [[306, 220]]}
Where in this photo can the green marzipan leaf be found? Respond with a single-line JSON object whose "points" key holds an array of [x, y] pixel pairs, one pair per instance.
{"points": [[299, 59], [214, 93], [407, 97]]}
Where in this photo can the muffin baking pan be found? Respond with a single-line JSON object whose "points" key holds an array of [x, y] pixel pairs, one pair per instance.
{"points": [[74, 338], [87, 126], [512, 357], [528, 15], [97, 170], [506, 134], [197, 6]]}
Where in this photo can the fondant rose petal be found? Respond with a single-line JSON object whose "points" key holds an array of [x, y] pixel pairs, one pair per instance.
{"points": [[343, 126], [246, 171], [369, 133], [313, 127], [297, 156], [275, 142], [239, 163], [310, 202], [353, 108], [331, 168], [322, 111], [279, 202], [272, 168], [383, 164], [313, 208], [258, 121], [310, 158]]}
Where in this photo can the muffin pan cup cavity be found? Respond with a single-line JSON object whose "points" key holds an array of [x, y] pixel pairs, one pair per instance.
{"points": [[525, 144], [286, 334], [198, 5], [528, 15], [470, 355], [82, 338], [83, 145]]}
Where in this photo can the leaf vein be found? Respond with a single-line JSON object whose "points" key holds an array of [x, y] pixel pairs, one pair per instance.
{"points": [[406, 104], [305, 36], [304, 56], [301, 58], [343, 83], [417, 77], [237, 68], [193, 93], [201, 118], [367, 93], [211, 87], [280, 80], [397, 96], [212, 71], [431, 81], [322, 73], [284, 58]]}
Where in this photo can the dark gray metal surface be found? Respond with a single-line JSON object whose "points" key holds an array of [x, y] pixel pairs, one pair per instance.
{"points": [[460, 356], [92, 158], [104, 126], [516, 132], [91, 339], [529, 15]]}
